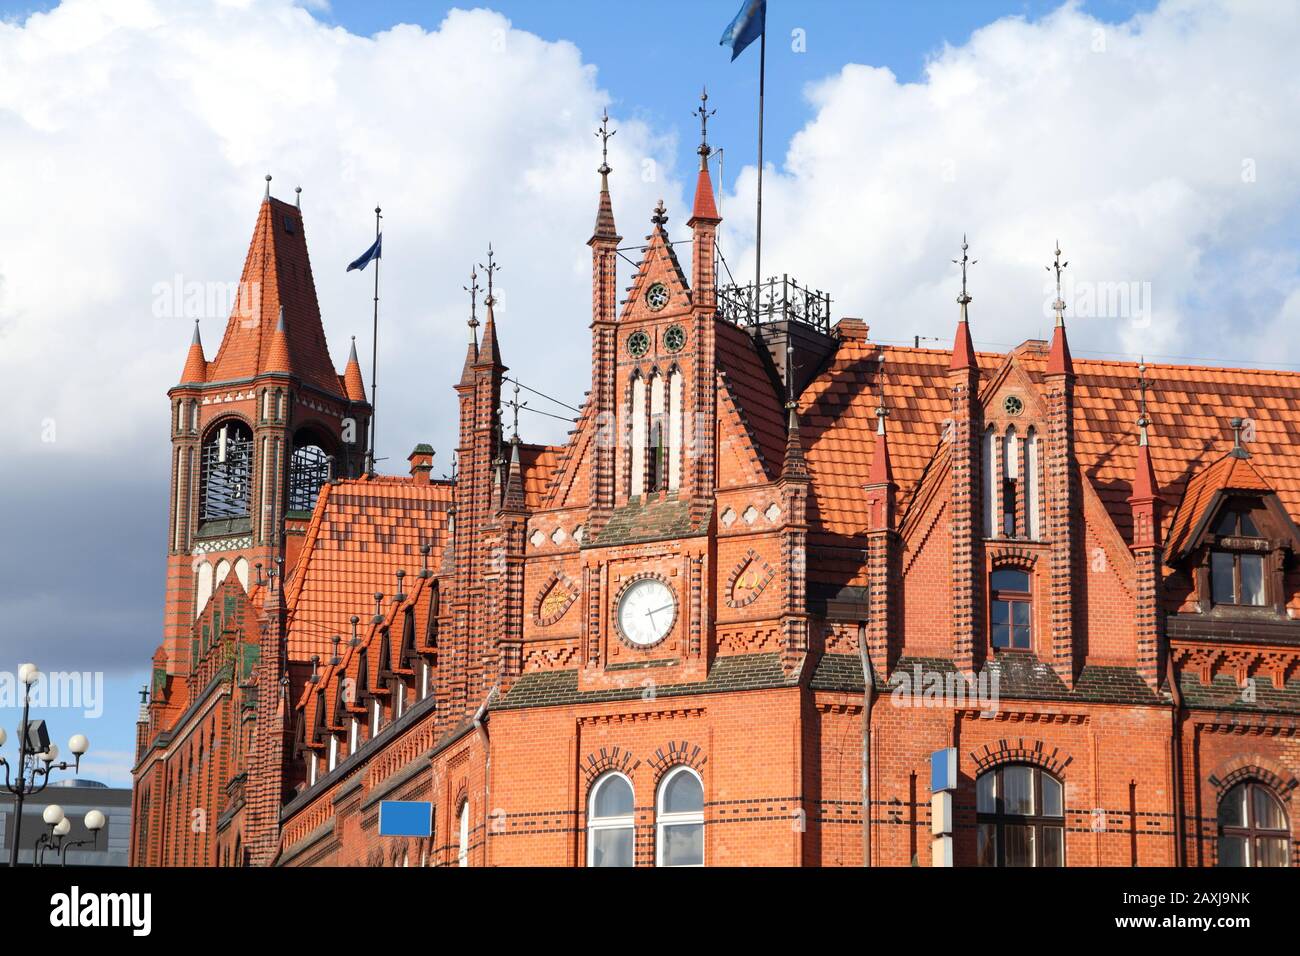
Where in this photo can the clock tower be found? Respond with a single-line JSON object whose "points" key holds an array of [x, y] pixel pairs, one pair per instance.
{"points": [[647, 566]]}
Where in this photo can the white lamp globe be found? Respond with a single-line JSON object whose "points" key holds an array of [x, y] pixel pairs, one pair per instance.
{"points": [[4, 735], [51, 754], [27, 673], [53, 814], [78, 745], [95, 820], [63, 827]]}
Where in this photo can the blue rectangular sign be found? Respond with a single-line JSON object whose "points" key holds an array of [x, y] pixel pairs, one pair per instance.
{"points": [[411, 818], [943, 770]]}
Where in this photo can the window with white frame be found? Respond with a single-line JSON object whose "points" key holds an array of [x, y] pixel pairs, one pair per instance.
{"points": [[679, 819], [610, 828]]}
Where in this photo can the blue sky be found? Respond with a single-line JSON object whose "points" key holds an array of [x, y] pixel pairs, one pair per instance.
{"points": [[1146, 180]]}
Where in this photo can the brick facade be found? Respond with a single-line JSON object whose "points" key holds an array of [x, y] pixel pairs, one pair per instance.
{"points": [[824, 552]]}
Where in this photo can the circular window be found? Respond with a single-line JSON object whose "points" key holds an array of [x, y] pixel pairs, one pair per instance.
{"points": [[656, 297], [1013, 405], [638, 343], [675, 338]]}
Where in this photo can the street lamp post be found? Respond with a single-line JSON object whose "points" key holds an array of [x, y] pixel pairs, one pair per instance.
{"points": [[60, 827], [36, 758]]}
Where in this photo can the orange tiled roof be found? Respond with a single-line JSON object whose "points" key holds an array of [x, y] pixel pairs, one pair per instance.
{"points": [[754, 393], [361, 532], [1229, 473], [539, 463], [1189, 408], [277, 273]]}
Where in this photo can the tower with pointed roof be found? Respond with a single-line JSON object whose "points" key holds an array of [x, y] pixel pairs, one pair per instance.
{"points": [[256, 430]]}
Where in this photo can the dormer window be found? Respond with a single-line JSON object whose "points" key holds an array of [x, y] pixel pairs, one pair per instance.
{"points": [[1237, 560]]}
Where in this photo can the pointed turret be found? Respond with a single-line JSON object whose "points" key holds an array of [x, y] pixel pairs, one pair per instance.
{"points": [[881, 471], [276, 281], [795, 466], [1058, 358], [880, 486], [513, 498], [1145, 502], [963, 350], [488, 354], [196, 366], [277, 356], [605, 229], [352, 380]]}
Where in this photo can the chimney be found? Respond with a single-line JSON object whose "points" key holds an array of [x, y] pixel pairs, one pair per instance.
{"points": [[421, 459]]}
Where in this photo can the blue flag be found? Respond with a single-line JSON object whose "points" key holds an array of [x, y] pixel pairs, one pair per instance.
{"points": [[749, 24], [372, 253]]}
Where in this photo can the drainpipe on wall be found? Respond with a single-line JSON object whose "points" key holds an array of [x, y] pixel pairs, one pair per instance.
{"points": [[1176, 762], [868, 697], [480, 728]]}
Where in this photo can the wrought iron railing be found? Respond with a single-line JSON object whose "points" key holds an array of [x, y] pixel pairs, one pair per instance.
{"points": [[779, 298]]}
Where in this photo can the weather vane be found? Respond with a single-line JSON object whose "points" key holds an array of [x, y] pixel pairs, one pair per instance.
{"points": [[1143, 385], [491, 269], [1059, 304], [473, 290], [704, 113], [605, 134], [881, 410], [964, 261]]}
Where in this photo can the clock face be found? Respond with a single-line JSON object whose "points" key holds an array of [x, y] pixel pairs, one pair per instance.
{"points": [[646, 611], [656, 296]]}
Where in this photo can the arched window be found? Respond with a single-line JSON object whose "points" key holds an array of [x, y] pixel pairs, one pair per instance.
{"points": [[309, 469], [462, 844], [226, 469], [636, 479], [679, 819], [610, 830], [1010, 481], [1253, 828], [674, 429], [1032, 522], [1010, 609], [988, 463], [1237, 558], [1020, 811]]}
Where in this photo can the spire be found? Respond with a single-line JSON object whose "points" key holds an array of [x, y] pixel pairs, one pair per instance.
{"points": [[704, 208], [277, 276], [196, 366], [1058, 358], [353, 383], [881, 471], [471, 353], [605, 228], [795, 466], [963, 350], [513, 496], [277, 357], [1144, 477], [487, 352]]}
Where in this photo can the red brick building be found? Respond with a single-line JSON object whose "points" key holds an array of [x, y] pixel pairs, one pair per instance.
{"points": [[648, 645]]}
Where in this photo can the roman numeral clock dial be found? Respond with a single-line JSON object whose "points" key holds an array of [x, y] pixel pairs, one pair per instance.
{"points": [[646, 612]]}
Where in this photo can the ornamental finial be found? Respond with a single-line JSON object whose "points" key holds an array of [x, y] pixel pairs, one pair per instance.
{"points": [[1059, 266]]}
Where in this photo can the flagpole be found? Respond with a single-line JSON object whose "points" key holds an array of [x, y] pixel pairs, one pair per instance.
{"points": [[374, 352], [758, 242]]}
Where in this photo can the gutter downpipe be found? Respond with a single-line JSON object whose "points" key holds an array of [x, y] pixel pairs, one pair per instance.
{"points": [[1176, 762], [480, 728], [868, 698]]}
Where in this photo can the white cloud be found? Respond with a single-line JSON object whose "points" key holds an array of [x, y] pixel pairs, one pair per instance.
{"points": [[1160, 152], [136, 137]]}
